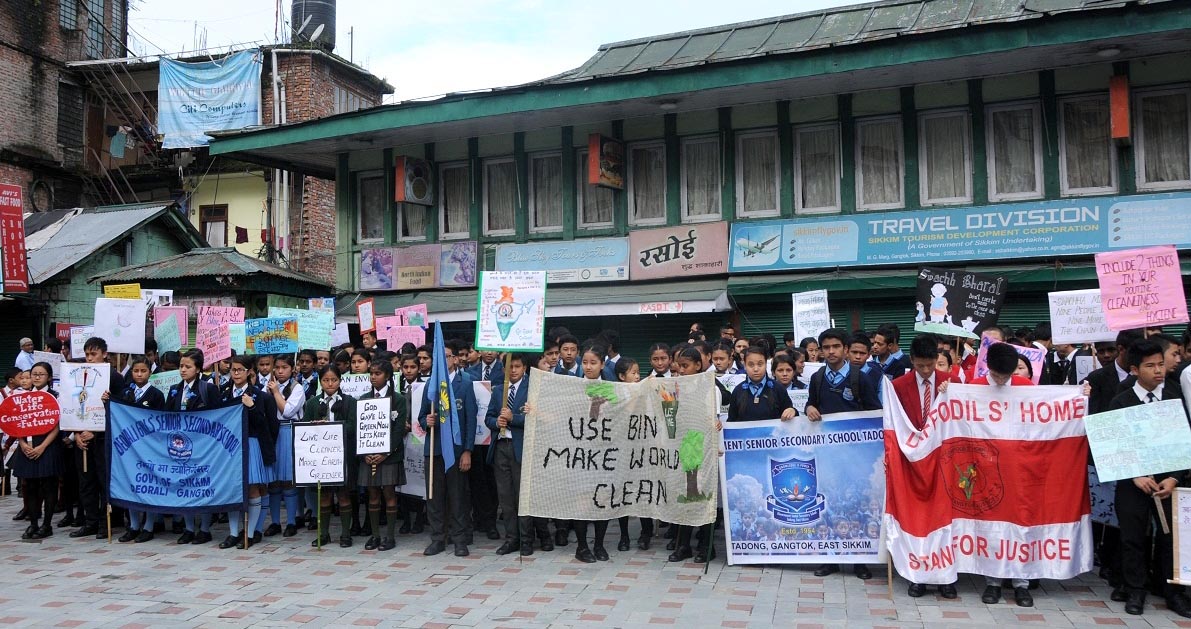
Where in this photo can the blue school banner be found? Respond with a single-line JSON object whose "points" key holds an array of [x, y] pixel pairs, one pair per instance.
{"points": [[1031, 229], [193, 98], [177, 462], [803, 491]]}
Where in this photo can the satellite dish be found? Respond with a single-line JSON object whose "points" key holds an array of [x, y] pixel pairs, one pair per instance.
{"points": [[305, 23], [317, 31]]}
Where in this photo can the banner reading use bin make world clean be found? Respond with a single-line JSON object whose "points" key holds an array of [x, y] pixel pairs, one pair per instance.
{"points": [[193, 98], [804, 492], [177, 462], [1013, 230]]}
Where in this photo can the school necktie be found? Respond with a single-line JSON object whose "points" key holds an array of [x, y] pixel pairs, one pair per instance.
{"points": [[834, 378], [138, 392], [237, 393], [927, 392], [487, 371], [1150, 397], [512, 394], [376, 394], [185, 394]]}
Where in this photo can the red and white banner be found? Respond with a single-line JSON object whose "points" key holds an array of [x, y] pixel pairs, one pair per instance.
{"points": [[12, 239], [995, 484]]}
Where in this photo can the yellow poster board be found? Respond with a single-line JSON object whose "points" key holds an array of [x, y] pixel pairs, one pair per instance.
{"points": [[122, 291]]}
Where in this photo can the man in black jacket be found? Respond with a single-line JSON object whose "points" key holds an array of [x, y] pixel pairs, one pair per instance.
{"points": [[1135, 498], [1106, 381]]}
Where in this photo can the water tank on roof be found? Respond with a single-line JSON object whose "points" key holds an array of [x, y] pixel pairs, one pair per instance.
{"points": [[320, 28]]}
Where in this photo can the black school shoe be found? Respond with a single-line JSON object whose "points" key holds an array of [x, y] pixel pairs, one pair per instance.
{"points": [[202, 537], [600, 553], [916, 590], [1022, 597], [345, 541], [387, 543], [372, 543], [272, 529], [623, 545], [43, 532], [321, 540], [129, 536], [229, 541], [584, 554], [145, 536], [992, 595], [290, 531], [186, 537]]}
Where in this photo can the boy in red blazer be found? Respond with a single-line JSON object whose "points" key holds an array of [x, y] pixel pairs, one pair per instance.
{"points": [[917, 390]]}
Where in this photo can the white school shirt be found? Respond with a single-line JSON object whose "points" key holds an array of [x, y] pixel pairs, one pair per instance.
{"points": [[292, 411], [1141, 393]]}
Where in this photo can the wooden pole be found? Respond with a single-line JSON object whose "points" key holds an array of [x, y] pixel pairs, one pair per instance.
{"points": [[889, 575], [1161, 515], [318, 492], [109, 519], [245, 530]]}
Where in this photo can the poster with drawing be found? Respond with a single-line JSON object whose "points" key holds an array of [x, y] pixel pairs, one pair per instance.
{"points": [[957, 303], [512, 311], [121, 322]]}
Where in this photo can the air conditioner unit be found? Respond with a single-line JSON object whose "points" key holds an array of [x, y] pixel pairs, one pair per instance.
{"points": [[414, 181]]}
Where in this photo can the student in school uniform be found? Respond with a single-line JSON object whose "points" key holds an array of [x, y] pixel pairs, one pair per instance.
{"points": [[1002, 361], [568, 356], [1135, 506], [193, 394], [917, 390], [305, 375], [488, 368], [289, 398], [259, 416], [758, 395], [91, 447], [381, 473], [592, 366], [482, 478], [887, 356], [330, 404], [840, 387], [141, 394], [450, 486], [37, 462], [723, 359], [264, 370], [627, 370], [506, 419], [659, 360], [413, 509]]}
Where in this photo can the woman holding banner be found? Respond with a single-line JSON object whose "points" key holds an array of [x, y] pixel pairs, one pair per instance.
{"points": [[257, 408], [37, 462], [193, 394], [331, 405], [144, 395]]}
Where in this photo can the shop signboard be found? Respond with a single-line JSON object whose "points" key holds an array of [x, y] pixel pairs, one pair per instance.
{"points": [[569, 262], [1011, 231], [680, 251]]}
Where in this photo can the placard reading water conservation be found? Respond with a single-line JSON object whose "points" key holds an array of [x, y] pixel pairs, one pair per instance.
{"points": [[319, 454], [373, 426], [512, 311], [1140, 440]]}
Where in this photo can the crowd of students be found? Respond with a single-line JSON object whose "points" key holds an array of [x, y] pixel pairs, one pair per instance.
{"points": [[67, 473]]}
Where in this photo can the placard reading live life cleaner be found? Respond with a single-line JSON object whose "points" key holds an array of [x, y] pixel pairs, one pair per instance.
{"points": [[957, 303], [1141, 287]]}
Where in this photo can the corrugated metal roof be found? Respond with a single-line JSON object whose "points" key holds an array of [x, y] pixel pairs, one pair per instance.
{"points": [[840, 26], [206, 262], [81, 234]]}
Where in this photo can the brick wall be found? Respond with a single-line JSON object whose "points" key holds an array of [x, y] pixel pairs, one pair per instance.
{"points": [[33, 54], [309, 93]]}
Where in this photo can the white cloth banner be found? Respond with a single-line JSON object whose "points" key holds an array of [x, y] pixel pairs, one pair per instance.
{"points": [[597, 450]]}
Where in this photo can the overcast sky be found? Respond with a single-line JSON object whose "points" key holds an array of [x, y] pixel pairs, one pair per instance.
{"points": [[440, 46]]}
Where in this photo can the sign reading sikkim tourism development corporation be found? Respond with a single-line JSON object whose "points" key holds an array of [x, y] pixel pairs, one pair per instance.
{"points": [[678, 251], [593, 260], [1016, 230]]}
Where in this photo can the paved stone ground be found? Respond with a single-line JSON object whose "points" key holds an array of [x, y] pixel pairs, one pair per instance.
{"points": [[66, 582]]}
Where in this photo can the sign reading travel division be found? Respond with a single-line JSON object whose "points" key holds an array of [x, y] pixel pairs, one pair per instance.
{"points": [[1032, 229], [804, 492], [512, 311], [957, 303], [320, 454], [1141, 288]]}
